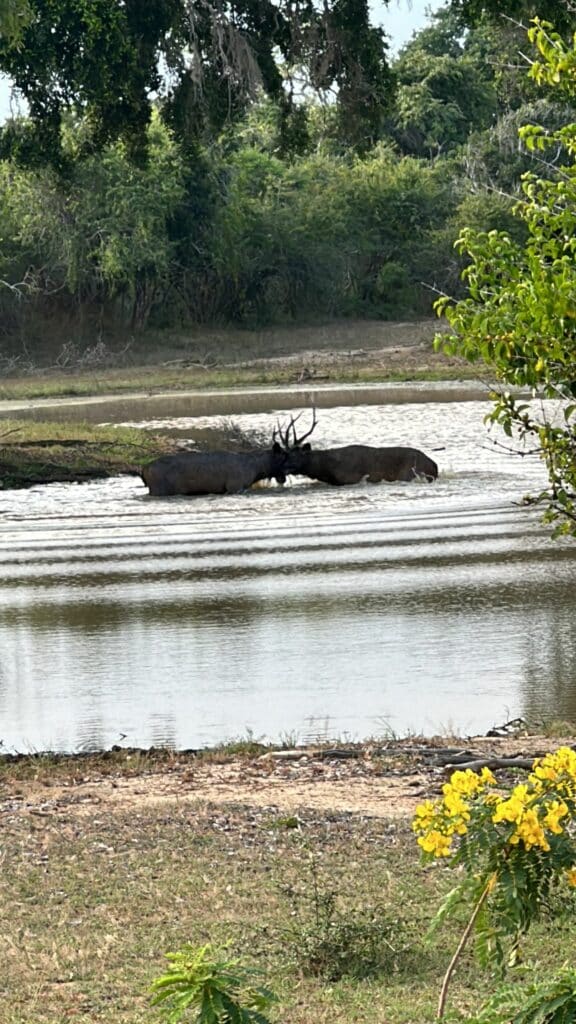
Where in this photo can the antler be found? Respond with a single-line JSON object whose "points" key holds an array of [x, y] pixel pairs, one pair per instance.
{"points": [[298, 440], [284, 435]]}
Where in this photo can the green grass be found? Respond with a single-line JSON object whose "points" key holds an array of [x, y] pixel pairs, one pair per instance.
{"points": [[91, 899], [34, 452]]}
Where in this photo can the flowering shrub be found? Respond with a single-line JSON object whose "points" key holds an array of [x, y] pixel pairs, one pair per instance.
{"points": [[514, 847]]}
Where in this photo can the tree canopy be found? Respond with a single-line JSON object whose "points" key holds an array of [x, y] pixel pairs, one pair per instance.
{"points": [[558, 12], [198, 61], [191, 163]]}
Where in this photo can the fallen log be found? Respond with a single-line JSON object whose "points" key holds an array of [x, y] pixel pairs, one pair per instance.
{"points": [[493, 763]]}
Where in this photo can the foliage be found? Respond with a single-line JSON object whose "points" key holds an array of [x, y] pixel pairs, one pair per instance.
{"points": [[103, 233], [519, 316], [455, 80], [515, 848], [243, 199], [326, 235], [440, 99], [557, 11], [201, 64], [14, 16], [549, 1002], [329, 941], [99, 59], [219, 989], [497, 158]]}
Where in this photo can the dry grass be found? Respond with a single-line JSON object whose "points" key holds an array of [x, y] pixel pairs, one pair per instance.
{"points": [[332, 906], [91, 903], [349, 352]]}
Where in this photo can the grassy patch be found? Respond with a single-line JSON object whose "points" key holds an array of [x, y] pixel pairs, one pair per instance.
{"points": [[37, 453], [158, 379], [91, 900]]}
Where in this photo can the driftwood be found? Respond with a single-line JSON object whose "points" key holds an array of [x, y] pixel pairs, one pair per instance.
{"points": [[493, 763], [336, 754], [455, 756]]}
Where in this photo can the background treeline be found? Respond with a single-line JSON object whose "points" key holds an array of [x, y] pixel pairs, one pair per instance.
{"points": [[276, 214]]}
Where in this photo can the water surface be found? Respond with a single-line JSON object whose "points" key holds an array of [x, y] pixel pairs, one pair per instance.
{"points": [[306, 611]]}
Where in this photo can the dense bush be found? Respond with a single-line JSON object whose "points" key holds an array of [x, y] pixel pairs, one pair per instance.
{"points": [[240, 237], [277, 218]]}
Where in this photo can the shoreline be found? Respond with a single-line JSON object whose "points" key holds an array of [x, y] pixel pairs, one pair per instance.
{"points": [[383, 779], [237, 401]]}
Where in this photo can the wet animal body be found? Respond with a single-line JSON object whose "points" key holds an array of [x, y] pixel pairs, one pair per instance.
{"points": [[213, 472], [356, 462]]}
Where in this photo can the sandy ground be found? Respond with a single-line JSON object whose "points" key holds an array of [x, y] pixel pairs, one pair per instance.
{"points": [[315, 353], [386, 781]]}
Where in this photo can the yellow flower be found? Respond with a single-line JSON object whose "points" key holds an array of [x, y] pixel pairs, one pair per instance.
{"points": [[436, 843], [467, 782], [571, 876], [557, 810], [424, 816], [558, 768], [487, 777], [454, 805], [530, 831], [513, 808], [545, 772]]}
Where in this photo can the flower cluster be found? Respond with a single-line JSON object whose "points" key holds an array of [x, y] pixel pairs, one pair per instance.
{"points": [[557, 770], [438, 822], [528, 817]]}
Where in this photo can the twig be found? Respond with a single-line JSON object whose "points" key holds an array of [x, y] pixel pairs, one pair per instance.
{"points": [[465, 936], [511, 451]]}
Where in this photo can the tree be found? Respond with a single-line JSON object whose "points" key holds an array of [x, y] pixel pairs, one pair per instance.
{"points": [[101, 59], [439, 100], [497, 158], [98, 238], [444, 91], [559, 12], [14, 15], [520, 313]]}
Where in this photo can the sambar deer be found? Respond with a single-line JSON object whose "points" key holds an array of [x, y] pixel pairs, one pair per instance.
{"points": [[354, 462], [218, 472]]}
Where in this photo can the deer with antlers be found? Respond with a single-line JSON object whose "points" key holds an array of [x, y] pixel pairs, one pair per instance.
{"points": [[214, 472], [354, 462]]}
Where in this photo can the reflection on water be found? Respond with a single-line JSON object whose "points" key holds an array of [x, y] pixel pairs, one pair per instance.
{"points": [[309, 610]]}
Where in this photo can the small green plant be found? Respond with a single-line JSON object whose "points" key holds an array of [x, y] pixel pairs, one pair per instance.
{"points": [[516, 849], [238, 746], [327, 941], [220, 990]]}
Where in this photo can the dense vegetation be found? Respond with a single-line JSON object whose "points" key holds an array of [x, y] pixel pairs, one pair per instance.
{"points": [[333, 181], [519, 315]]}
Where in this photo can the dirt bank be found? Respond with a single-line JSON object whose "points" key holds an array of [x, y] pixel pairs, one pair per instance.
{"points": [[382, 780], [354, 352]]}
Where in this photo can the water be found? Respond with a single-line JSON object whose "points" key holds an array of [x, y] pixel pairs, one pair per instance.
{"points": [[307, 611]]}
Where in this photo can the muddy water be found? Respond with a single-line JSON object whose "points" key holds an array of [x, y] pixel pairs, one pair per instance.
{"points": [[306, 611]]}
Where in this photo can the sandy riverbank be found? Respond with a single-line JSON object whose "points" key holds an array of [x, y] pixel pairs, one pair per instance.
{"points": [[384, 779]]}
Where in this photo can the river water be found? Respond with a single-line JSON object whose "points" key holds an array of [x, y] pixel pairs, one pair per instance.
{"points": [[304, 612]]}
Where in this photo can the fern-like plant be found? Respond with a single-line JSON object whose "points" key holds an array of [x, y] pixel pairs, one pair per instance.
{"points": [[550, 1002], [219, 990]]}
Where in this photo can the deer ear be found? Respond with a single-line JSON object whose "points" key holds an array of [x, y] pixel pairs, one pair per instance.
{"points": [[276, 447], [306, 447]]}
